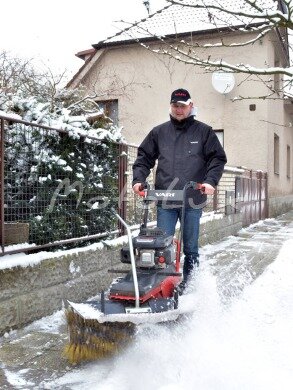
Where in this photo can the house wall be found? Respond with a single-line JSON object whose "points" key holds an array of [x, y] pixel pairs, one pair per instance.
{"points": [[142, 82], [280, 185], [150, 79], [279, 118]]}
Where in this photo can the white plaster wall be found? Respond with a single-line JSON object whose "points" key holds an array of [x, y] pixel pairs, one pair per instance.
{"points": [[143, 81]]}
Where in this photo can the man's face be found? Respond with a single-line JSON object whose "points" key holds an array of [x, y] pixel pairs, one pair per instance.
{"points": [[180, 111]]}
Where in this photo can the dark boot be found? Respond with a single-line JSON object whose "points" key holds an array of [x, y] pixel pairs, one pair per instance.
{"points": [[181, 287], [190, 262]]}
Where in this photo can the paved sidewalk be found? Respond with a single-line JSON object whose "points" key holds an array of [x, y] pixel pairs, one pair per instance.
{"points": [[240, 259], [31, 358]]}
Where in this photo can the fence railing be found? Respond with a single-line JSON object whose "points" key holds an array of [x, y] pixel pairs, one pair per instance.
{"points": [[57, 189]]}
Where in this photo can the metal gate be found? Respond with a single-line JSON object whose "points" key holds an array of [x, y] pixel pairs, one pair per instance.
{"points": [[251, 191]]}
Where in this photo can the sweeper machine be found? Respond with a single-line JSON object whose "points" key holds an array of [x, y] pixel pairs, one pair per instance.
{"points": [[148, 292]]}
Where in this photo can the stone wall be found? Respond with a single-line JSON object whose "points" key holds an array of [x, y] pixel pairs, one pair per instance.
{"points": [[217, 229], [29, 293], [280, 205]]}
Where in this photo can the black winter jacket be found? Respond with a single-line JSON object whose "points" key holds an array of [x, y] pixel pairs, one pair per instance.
{"points": [[188, 150]]}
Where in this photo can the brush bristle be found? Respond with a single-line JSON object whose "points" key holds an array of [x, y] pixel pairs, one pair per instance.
{"points": [[91, 340]]}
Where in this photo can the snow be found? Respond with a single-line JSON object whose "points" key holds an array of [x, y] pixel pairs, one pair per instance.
{"points": [[247, 346], [213, 350], [25, 260], [234, 169], [10, 115], [15, 379], [211, 216], [48, 324], [61, 118], [73, 269], [30, 260], [244, 343], [180, 18]]}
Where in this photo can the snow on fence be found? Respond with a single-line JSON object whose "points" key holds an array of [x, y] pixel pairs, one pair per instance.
{"points": [[57, 185], [57, 188]]}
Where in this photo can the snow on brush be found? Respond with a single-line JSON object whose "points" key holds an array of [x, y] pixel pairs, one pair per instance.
{"points": [[186, 305]]}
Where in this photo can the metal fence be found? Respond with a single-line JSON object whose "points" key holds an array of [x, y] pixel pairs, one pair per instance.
{"points": [[251, 196], [57, 188]]}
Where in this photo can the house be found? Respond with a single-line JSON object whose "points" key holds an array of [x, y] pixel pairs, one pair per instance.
{"points": [[133, 79]]}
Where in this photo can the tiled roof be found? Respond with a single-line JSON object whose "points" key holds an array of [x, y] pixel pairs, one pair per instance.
{"points": [[177, 19]]}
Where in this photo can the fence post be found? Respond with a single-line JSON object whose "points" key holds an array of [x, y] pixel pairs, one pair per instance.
{"points": [[229, 202], [259, 180], [122, 185], [250, 197], [2, 233], [266, 196], [215, 199]]}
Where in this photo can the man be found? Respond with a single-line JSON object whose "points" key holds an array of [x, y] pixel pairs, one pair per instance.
{"points": [[186, 150]]}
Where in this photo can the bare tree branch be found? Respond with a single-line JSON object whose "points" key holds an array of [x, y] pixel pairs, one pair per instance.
{"points": [[253, 17], [277, 18]]}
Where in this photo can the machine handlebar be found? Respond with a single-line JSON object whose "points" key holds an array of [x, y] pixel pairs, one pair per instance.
{"points": [[144, 191]]}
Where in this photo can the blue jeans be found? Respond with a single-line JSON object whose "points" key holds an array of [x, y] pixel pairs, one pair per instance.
{"points": [[167, 219]]}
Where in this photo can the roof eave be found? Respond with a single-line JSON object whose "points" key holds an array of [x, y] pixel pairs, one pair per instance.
{"points": [[104, 44]]}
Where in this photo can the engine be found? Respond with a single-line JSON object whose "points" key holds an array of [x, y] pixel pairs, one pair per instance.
{"points": [[153, 248]]}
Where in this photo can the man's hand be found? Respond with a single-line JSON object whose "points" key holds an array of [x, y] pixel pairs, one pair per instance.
{"points": [[137, 188], [208, 189]]}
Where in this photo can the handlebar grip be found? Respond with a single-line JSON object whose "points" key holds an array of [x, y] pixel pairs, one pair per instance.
{"points": [[201, 188], [142, 190], [197, 186]]}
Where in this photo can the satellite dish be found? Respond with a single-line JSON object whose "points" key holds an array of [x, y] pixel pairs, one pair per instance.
{"points": [[223, 82]]}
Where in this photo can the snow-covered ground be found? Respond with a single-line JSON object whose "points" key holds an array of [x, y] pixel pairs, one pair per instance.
{"points": [[238, 337], [248, 345]]}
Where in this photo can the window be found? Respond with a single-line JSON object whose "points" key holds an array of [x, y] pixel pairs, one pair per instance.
{"points": [[277, 78], [288, 161], [276, 154], [110, 108], [220, 135]]}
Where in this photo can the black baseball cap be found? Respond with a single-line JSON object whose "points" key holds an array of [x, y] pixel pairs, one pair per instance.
{"points": [[180, 96]]}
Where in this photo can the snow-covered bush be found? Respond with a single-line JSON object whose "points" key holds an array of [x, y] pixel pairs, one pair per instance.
{"points": [[51, 177]]}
